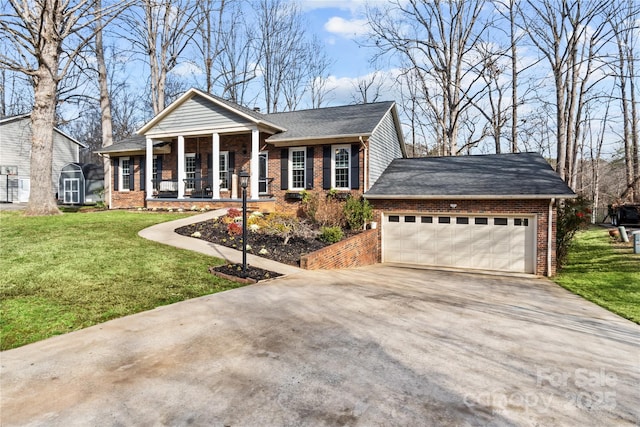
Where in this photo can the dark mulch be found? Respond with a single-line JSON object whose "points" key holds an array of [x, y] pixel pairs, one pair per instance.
{"points": [[216, 232], [254, 273]]}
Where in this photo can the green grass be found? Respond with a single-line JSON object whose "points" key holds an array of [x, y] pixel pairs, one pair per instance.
{"points": [[604, 272], [67, 272]]}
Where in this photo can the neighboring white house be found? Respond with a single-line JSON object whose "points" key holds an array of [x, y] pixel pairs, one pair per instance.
{"points": [[15, 157]]}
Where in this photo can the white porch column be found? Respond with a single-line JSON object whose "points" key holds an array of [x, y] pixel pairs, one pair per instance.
{"points": [[255, 163], [215, 163], [181, 172], [148, 167]]}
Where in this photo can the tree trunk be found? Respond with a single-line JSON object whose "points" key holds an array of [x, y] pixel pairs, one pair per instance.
{"points": [[41, 196], [105, 103], [514, 78]]}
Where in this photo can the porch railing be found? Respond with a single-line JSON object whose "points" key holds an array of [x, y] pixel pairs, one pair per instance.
{"points": [[199, 188]]}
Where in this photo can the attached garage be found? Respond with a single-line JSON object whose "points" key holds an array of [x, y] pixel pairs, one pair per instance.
{"points": [[484, 242], [490, 212]]}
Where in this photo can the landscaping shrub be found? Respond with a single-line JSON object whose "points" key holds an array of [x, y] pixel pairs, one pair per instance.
{"points": [[234, 213], [234, 229], [310, 203], [331, 234], [357, 212], [573, 215], [283, 224], [330, 213]]}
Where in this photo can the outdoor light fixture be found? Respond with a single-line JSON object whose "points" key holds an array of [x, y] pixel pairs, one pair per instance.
{"points": [[453, 206], [244, 182], [244, 179]]}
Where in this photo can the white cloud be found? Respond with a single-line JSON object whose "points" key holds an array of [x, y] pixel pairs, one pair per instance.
{"points": [[346, 27], [186, 69]]}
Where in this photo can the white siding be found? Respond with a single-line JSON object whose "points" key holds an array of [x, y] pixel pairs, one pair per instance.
{"points": [[197, 113], [384, 146], [15, 150]]}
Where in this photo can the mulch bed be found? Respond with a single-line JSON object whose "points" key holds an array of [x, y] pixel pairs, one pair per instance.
{"points": [[216, 232], [234, 272]]}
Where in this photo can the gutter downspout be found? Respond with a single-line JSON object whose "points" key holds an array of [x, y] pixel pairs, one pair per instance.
{"points": [[365, 162], [549, 235]]}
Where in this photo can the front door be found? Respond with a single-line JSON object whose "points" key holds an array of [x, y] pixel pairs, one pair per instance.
{"points": [[71, 191]]}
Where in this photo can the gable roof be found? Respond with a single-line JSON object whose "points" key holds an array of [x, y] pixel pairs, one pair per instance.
{"points": [[495, 176], [330, 122], [246, 113], [7, 120]]}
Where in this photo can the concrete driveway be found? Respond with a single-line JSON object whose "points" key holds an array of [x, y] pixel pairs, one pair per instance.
{"points": [[369, 347]]}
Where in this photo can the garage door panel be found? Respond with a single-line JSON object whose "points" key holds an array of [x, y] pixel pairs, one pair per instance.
{"points": [[488, 242]]}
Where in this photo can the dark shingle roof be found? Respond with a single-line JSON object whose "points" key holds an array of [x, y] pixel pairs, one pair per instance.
{"points": [[348, 120], [133, 143], [526, 175]]}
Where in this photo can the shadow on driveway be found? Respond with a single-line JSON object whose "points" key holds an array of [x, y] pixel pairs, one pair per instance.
{"points": [[377, 345]]}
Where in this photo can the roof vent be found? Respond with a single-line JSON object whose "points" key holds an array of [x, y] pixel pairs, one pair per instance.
{"points": [[256, 109]]}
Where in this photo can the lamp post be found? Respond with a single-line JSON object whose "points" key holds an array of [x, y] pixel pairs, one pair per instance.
{"points": [[244, 182]]}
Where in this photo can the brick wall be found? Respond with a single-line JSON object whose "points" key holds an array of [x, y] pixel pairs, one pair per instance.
{"points": [[539, 208], [294, 206], [355, 251]]}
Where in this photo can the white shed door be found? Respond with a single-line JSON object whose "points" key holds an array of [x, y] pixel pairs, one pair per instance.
{"points": [[484, 242]]}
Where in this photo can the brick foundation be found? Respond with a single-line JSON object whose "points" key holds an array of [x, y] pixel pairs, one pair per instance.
{"points": [[361, 249]]}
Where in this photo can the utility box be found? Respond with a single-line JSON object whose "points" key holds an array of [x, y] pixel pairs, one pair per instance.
{"points": [[636, 242]]}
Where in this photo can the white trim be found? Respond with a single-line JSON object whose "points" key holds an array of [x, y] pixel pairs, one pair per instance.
{"points": [[149, 166], [335, 148], [121, 186], [224, 154], [304, 169], [215, 165], [254, 165], [181, 162], [190, 156], [266, 171]]}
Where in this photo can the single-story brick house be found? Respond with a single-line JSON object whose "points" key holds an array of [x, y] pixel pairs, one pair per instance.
{"points": [[493, 212], [341, 148], [487, 212]]}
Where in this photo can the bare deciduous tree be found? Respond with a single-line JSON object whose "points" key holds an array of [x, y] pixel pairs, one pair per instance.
{"points": [[161, 30], [625, 28], [367, 89], [563, 33], [46, 38], [438, 39], [283, 44]]}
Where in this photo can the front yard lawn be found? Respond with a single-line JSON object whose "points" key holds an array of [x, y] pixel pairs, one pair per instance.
{"points": [[603, 271], [67, 272]]}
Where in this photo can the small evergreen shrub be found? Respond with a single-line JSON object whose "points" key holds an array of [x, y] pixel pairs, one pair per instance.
{"points": [[331, 234], [573, 215], [357, 212]]}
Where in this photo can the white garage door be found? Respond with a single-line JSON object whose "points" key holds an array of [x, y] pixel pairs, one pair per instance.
{"points": [[484, 242]]}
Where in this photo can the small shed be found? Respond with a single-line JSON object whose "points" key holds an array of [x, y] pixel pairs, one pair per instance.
{"points": [[81, 184]]}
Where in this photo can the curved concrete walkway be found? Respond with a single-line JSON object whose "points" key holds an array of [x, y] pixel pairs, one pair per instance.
{"points": [[164, 233]]}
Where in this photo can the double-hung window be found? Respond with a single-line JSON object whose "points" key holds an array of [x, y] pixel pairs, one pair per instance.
{"points": [[297, 164], [190, 170], [224, 170], [341, 155], [125, 173]]}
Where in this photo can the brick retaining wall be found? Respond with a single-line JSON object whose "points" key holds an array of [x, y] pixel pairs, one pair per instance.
{"points": [[361, 249]]}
